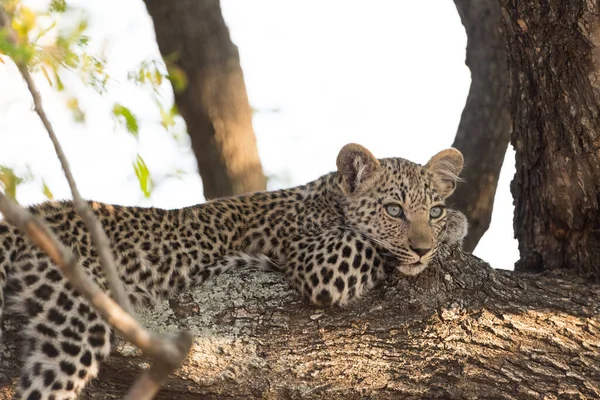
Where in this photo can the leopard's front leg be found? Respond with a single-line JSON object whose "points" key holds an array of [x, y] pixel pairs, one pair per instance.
{"points": [[332, 267]]}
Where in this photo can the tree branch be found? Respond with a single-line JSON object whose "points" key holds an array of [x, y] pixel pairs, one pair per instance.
{"points": [[166, 354], [214, 103], [152, 345], [97, 234], [484, 130], [460, 330]]}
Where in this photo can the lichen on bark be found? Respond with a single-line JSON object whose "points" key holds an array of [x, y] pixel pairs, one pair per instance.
{"points": [[460, 330]]}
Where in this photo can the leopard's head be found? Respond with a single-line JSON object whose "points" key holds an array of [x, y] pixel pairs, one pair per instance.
{"points": [[398, 204]]}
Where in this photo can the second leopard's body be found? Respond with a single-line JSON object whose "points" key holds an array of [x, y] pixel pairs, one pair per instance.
{"points": [[333, 239]]}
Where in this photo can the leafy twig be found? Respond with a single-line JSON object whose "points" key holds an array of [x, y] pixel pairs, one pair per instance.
{"points": [[166, 354], [97, 234]]}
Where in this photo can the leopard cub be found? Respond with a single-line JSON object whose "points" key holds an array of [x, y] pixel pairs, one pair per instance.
{"points": [[333, 238]]}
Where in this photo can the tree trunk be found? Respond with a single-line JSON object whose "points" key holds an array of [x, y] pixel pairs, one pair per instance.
{"points": [[461, 330], [214, 104], [552, 60], [484, 130]]}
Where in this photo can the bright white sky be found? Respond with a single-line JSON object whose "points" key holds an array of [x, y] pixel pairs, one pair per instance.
{"points": [[387, 74]]}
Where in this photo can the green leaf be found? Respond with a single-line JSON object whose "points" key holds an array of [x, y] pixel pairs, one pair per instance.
{"points": [[124, 115], [20, 53], [59, 85], [167, 117], [178, 78], [143, 175], [9, 181], [151, 73], [73, 106], [23, 21], [46, 191], [58, 6], [71, 59], [83, 41]]}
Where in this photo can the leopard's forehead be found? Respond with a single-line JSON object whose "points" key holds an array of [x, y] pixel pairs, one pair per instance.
{"points": [[407, 182]]}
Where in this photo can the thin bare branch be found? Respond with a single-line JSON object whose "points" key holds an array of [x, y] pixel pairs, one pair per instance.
{"points": [[97, 234], [169, 352], [150, 382], [144, 388], [166, 354]]}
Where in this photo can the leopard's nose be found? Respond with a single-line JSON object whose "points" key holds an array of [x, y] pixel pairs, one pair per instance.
{"points": [[421, 252]]}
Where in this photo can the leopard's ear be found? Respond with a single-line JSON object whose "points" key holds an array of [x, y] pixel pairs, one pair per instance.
{"points": [[357, 166], [446, 166]]}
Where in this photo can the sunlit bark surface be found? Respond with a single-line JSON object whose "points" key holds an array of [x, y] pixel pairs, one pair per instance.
{"points": [[460, 330]]}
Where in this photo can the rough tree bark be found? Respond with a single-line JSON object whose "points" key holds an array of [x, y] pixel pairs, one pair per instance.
{"points": [[215, 104], [484, 130], [461, 330], [552, 51]]}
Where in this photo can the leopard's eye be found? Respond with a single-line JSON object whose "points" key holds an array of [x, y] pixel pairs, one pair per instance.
{"points": [[436, 212], [394, 210]]}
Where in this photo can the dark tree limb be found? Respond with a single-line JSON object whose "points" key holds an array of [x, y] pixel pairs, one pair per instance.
{"points": [[484, 130], [459, 331], [552, 49], [214, 104]]}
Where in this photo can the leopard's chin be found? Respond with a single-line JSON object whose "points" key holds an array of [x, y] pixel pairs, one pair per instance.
{"points": [[412, 269]]}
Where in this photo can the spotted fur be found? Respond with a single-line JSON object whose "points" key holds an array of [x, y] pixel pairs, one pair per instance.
{"points": [[332, 238]]}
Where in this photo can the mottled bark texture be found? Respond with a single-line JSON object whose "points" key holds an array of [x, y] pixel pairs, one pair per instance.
{"points": [[214, 104], [552, 49], [461, 330], [484, 130]]}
